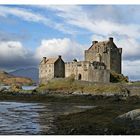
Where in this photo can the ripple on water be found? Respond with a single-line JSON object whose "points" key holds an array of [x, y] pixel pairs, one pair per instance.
{"points": [[32, 118]]}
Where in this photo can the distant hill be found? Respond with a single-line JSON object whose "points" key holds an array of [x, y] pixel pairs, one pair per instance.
{"points": [[8, 79], [31, 72]]}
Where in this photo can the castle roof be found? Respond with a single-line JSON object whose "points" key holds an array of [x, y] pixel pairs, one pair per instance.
{"points": [[99, 44], [51, 60], [102, 43]]}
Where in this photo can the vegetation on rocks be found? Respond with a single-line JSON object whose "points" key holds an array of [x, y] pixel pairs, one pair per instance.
{"points": [[15, 88], [70, 85], [115, 78]]}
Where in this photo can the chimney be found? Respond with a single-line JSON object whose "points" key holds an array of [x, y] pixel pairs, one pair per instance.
{"points": [[111, 39], [94, 42], [44, 59], [120, 50], [59, 56]]}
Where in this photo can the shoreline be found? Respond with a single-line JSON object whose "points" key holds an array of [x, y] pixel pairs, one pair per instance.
{"points": [[33, 95], [96, 121], [122, 92], [68, 87]]}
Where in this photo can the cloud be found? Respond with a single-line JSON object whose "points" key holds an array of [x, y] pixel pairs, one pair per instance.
{"points": [[67, 48], [95, 37], [14, 55], [131, 48], [103, 20], [83, 18], [6, 36], [132, 69], [22, 13], [32, 16]]}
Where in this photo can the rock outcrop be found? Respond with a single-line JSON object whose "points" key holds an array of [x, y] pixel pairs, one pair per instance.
{"points": [[15, 88], [131, 118]]}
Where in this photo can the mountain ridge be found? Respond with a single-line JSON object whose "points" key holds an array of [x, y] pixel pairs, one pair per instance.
{"points": [[31, 72], [9, 79]]}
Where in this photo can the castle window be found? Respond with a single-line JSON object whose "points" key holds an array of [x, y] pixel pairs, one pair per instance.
{"points": [[95, 67], [97, 49], [78, 65], [79, 76]]}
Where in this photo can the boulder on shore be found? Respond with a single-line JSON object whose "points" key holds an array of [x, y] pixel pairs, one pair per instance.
{"points": [[131, 118], [3, 89], [15, 88]]}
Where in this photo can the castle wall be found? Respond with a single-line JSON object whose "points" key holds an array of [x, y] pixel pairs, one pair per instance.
{"points": [[42, 73], [86, 72], [46, 72], [77, 68], [115, 60], [99, 75], [70, 68], [90, 56]]}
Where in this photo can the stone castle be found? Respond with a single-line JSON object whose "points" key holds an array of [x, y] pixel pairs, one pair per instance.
{"points": [[100, 59]]}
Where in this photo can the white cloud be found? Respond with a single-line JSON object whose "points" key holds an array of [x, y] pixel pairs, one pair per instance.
{"points": [[11, 50], [22, 13], [95, 37], [14, 55], [67, 48], [78, 16], [102, 26], [131, 48], [32, 16], [132, 69]]}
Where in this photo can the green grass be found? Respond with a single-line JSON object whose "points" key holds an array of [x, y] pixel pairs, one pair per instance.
{"points": [[136, 83], [70, 85]]}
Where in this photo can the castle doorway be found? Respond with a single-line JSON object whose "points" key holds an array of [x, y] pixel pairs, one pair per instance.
{"points": [[79, 76]]}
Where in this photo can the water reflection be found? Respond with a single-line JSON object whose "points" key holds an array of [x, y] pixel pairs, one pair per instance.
{"points": [[32, 118]]}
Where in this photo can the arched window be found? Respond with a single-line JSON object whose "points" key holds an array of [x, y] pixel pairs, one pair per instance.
{"points": [[79, 76], [98, 57]]}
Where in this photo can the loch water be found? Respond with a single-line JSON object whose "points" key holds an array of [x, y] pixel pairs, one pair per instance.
{"points": [[22, 118]]}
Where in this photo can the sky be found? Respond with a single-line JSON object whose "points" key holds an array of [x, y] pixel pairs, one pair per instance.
{"points": [[30, 32]]}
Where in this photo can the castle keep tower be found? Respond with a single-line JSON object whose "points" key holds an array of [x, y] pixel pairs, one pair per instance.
{"points": [[107, 53]]}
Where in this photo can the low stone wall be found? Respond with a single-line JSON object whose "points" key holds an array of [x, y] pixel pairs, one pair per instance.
{"points": [[99, 76]]}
